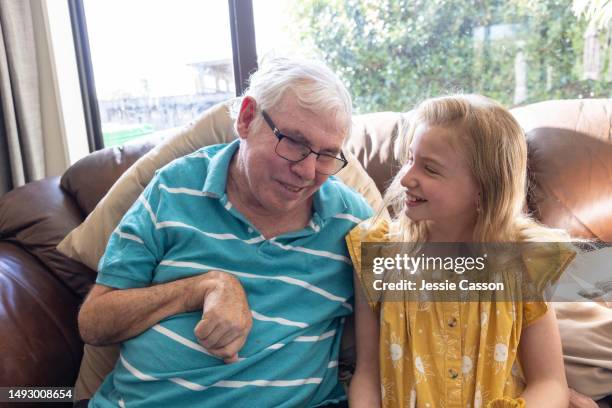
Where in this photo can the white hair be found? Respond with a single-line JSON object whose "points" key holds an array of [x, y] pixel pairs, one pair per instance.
{"points": [[315, 86]]}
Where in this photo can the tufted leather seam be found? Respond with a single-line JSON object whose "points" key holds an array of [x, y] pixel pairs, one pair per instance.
{"points": [[566, 208]]}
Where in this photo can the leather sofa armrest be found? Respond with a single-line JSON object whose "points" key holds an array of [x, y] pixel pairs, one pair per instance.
{"points": [[36, 217], [40, 344]]}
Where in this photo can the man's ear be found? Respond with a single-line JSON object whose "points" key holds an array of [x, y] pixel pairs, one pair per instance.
{"points": [[248, 110]]}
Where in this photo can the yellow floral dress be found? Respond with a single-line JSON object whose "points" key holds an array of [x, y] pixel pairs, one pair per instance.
{"points": [[449, 354]]}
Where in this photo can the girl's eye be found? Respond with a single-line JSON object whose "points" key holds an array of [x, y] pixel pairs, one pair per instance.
{"points": [[430, 170]]}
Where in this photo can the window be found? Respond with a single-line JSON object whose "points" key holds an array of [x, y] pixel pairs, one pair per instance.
{"points": [[394, 53], [157, 64], [274, 29]]}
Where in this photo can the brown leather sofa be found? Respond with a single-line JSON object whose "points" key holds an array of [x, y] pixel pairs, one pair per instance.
{"points": [[570, 167]]}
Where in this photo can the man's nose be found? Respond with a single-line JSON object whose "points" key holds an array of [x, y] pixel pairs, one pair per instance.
{"points": [[306, 168]]}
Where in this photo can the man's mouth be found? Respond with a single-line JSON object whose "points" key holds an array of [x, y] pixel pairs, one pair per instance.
{"points": [[289, 187]]}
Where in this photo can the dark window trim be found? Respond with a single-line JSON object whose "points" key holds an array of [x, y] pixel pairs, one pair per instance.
{"points": [[86, 76], [243, 42]]}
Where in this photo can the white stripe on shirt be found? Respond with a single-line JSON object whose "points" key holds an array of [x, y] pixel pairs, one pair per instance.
{"points": [[317, 252], [349, 217], [147, 206], [177, 337], [279, 320], [221, 237], [268, 383], [199, 154], [188, 191], [223, 383], [131, 237], [138, 374], [324, 336], [188, 384]]}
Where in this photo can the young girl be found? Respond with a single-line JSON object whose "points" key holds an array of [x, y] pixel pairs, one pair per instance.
{"points": [[463, 179]]}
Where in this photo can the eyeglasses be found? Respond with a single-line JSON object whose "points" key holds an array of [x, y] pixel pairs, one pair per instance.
{"points": [[294, 151]]}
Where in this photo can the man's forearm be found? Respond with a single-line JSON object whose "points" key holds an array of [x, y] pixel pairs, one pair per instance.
{"points": [[117, 315]]}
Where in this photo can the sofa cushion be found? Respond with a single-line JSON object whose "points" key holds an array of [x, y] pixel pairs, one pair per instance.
{"points": [[107, 165], [585, 329], [570, 163], [571, 181], [37, 217]]}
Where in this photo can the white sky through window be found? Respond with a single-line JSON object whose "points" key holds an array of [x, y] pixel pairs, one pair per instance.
{"points": [[146, 46]]}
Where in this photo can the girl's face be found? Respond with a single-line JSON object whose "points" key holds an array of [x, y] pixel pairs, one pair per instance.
{"points": [[439, 185]]}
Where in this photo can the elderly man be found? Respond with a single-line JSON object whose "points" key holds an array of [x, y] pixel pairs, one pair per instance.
{"points": [[228, 281]]}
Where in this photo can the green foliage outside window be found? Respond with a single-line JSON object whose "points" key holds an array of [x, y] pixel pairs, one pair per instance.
{"points": [[394, 53]]}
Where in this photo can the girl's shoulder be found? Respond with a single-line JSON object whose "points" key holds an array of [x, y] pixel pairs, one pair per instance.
{"points": [[370, 230]]}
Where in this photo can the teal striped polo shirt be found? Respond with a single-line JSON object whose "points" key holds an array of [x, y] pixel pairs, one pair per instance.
{"points": [[299, 287]]}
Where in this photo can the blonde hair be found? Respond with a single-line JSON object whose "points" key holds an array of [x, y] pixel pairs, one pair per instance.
{"points": [[495, 149]]}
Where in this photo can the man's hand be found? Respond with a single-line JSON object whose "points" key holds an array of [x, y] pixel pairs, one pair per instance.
{"points": [[578, 400], [226, 318]]}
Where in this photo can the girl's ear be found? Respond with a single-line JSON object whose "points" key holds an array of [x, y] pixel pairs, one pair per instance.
{"points": [[248, 110]]}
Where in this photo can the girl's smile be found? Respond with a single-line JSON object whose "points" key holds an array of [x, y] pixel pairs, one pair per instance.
{"points": [[413, 200]]}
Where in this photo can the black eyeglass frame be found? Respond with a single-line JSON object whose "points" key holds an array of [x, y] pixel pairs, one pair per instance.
{"points": [[281, 136]]}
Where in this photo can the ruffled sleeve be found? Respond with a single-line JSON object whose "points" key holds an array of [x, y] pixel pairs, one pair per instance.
{"points": [[544, 264], [507, 403], [366, 232]]}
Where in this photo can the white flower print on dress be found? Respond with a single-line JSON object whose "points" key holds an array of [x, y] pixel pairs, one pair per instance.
{"points": [[484, 319], [499, 354], [480, 397], [396, 351], [466, 365], [418, 363], [422, 370]]}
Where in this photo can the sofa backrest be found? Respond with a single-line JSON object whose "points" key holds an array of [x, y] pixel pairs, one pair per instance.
{"points": [[570, 162]]}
